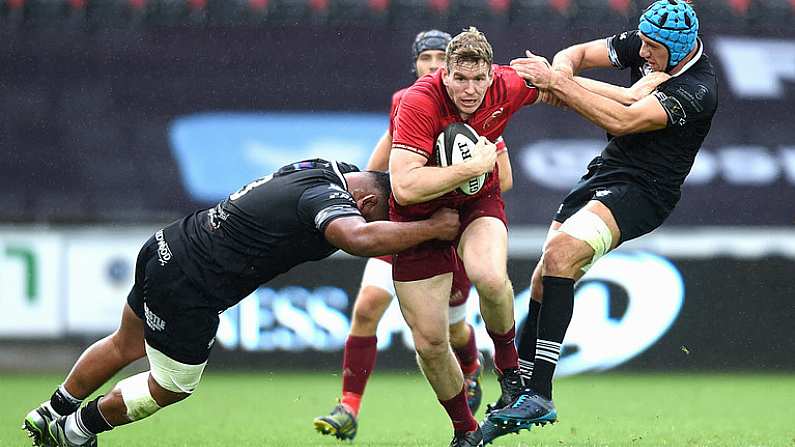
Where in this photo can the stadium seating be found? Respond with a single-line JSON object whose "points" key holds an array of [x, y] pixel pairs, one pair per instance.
{"points": [[730, 13]]}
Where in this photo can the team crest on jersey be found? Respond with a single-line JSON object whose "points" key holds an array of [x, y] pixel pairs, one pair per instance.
{"points": [[163, 250], [496, 115]]}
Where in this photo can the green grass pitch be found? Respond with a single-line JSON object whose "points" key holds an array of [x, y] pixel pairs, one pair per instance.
{"points": [[276, 409]]}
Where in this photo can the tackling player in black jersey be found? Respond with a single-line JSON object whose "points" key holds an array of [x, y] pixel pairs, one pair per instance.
{"points": [[630, 189], [195, 268]]}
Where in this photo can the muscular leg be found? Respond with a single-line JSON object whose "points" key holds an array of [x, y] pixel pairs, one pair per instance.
{"points": [[108, 356], [562, 262], [424, 305], [131, 399], [361, 346], [484, 250]]}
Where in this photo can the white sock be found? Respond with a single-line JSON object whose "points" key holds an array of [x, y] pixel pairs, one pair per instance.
{"points": [[75, 431]]}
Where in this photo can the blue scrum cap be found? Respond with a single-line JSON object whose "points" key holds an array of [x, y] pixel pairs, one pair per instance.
{"points": [[673, 24]]}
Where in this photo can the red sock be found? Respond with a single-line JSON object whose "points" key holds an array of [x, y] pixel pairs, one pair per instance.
{"points": [[468, 354], [459, 413], [505, 355], [357, 364]]}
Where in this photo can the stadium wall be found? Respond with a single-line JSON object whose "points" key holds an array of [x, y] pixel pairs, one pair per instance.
{"points": [[679, 299], [145, 124]]}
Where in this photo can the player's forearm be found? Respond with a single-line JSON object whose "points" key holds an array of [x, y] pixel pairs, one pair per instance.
{"points": [[506, 173], [568, 60], [614, 92], [385, 238], [606, 113], [426, 183]]}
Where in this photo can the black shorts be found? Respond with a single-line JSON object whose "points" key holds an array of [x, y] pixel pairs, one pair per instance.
{"points": [[178, 318], [638, 204]]}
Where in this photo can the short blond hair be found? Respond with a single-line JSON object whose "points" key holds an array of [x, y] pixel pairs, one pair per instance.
{"points": [[469, 46]]}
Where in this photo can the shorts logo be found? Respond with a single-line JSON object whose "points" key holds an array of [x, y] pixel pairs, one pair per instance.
{"points": [[153, 321], [163, 252]]}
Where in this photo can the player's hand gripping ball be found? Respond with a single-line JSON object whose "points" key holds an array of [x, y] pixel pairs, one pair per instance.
{"points": [[453, 146]]}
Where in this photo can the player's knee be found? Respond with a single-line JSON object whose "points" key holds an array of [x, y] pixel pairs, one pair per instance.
{"points": [[369, 309], [431, 347], [137, 397], [490, 284], [560, 255]]}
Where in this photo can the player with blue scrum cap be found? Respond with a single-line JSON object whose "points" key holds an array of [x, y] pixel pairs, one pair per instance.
{"points": [[655, 129]]}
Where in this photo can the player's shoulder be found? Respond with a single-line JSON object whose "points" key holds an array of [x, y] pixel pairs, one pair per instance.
{"points": [[398, 96], [698, 80], [425, 93], [505, 75]]}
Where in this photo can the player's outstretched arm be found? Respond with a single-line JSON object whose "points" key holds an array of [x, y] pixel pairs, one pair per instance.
{"points": [[379, 159], [576, 58], [627, 96], [356, 236], [643, 116], [413, 182]]}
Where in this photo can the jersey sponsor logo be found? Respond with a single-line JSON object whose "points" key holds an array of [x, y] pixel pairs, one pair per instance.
{"points": [[154, 322], [757, 68], [163, 250]]}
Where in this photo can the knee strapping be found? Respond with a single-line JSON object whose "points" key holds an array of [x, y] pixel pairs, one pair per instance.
{"points": [[172, 375], [591, 229], [137, 398]]}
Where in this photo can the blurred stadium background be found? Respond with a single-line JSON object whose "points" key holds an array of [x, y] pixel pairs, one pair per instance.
{"points": [[120, 116]]}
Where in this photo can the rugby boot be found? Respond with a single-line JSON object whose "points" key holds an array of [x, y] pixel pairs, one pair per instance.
{"points": [[492, 431], [528, 408], [472, 385], [56, 436], [510, 388], [36, 422], [341, 423], [467, 439]]}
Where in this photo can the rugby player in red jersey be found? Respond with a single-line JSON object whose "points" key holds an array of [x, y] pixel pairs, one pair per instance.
{"points": [[467, 89], [377, 290]]}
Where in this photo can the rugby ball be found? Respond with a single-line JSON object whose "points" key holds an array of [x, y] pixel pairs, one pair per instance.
{"points": [[453, 146]]}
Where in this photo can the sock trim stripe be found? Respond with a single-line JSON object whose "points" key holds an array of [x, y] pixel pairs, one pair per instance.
{"points": [[80, 425], [548, 355], [548, 360], [549, 344]]}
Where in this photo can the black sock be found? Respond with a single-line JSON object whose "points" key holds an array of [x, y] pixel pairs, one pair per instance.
{"points": [[92, 420], [62, 404], [527, 341], [556, 311]]}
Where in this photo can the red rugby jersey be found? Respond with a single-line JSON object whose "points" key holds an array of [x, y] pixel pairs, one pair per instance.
{"points": [[426, 109]]}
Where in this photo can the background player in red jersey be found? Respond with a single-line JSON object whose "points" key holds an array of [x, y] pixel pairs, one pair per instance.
{"points": [[468, 89], [377, 290]]}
